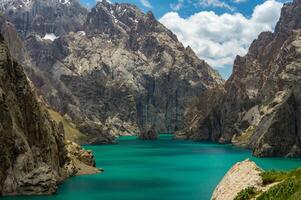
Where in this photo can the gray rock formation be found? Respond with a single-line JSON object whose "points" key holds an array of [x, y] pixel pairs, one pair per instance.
{"points": [[34, 158], [114, 72], [45, 17], [29, 150], [242, 175], [81, 160], [148, 132], [261, 106], [245, 180]]}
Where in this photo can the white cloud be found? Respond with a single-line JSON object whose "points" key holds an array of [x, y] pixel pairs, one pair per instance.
{"points": [[177, 6], [266, 12], [146, 3], [214, 3], [104, 0], [240, 1], [219, 38]]}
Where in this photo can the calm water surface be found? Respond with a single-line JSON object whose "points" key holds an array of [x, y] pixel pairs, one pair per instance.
{"points": [[158, 170]]}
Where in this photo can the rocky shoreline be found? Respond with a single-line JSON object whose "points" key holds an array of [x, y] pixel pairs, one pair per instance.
{"points": [[34, 155], [244, 176]]}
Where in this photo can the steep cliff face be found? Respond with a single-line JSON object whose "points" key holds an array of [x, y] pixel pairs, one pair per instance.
{"points": [[33, 154], [122, 71], [46, 18], [27, 149], [260, 108]]}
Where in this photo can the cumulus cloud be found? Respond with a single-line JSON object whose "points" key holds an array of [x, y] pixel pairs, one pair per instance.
{"points": [[146, 3], [219, 38], [177, 6], [240, 1], [109, 1], [214, 3]]}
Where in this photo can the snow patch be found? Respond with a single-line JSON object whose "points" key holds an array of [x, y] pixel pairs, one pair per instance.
{"points": [[193, 83], [50, 36], [82, 33], [104, 1], [133, 20], [65, 2]]}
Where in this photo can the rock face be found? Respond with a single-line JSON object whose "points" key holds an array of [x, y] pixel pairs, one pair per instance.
{"points": [[261, 106], [197, 111], [33, 155], [46, 18], [29, 150], [242, 175], [148, 133], [115, 71], [81, 160]]}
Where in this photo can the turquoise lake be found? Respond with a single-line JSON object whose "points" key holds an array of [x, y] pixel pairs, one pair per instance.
{"points": [[158, 170]]}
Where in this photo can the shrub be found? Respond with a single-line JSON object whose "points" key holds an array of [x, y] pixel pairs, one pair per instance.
{"points": [[273, 176], [246, 194], [281, 191]]}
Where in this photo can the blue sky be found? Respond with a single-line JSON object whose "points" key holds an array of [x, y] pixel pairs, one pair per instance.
{"points": [[217, 30], [161, 7]]}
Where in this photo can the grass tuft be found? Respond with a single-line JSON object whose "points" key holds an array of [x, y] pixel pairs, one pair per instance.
{"points": [[273, 176], [289, 187], [246, 194]]}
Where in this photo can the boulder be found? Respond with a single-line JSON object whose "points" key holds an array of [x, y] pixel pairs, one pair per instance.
{"points": [[242, 175], [149, 132]]}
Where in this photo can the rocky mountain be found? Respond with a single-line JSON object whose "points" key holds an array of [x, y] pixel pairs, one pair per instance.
{"points": [[34, 156], [260, 105], [115, 71], [45, 18]]}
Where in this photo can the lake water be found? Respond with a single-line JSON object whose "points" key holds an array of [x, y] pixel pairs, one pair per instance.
{"points": [[158, 170]]}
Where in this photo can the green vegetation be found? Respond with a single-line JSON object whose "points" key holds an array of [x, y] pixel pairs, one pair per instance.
{"points": [[284, 190], [273, 177], [245, 136], [246, 194], [71, 132], [289, 187]]}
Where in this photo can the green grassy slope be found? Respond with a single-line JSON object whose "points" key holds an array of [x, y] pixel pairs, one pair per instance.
{"points": [[71, 132]]}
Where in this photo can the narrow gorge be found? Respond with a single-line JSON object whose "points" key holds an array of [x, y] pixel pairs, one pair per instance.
{"points": [[115, 71], [160, 121]]}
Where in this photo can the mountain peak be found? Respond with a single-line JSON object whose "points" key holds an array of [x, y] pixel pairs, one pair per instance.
{"points": [[113, 19], [17, 5], [297, 1], [122, 57], [104, 3], [290, 18], [45, 16], [263, 90], [150, 15]]}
